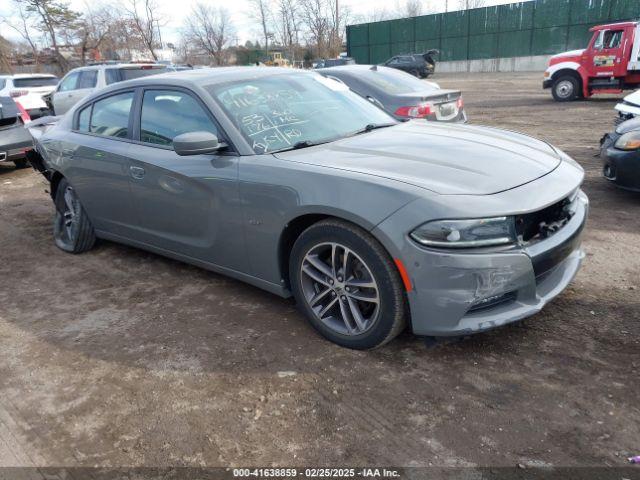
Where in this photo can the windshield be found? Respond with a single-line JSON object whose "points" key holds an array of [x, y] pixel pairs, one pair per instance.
{"points": [[394, 82], [131, 73], [35, 82], [281, 111]]}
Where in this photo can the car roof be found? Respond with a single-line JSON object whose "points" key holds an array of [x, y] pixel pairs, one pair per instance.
{"points": [[115, 65], [209, 76], [29, 75]]}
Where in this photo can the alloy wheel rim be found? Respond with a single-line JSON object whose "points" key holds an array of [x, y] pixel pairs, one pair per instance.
{"points": [[70, 214], [340, 289]]}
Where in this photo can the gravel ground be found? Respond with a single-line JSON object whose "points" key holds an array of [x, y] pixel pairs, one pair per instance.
{"points": [[119, 357]]}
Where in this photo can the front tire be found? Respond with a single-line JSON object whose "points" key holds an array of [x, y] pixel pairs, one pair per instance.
{"points": [[565, 89], [347, 285], [72, 229]]}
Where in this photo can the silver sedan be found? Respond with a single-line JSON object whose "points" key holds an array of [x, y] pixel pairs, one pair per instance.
{"points": [[289, 181]]}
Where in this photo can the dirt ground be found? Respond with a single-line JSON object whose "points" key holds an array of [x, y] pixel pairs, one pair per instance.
{"points": [[119, 357]]}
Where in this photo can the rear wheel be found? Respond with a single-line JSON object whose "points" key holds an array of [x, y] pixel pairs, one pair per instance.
{"points": [[72, 229], [22, 163], [565, 88], [346, 284]]}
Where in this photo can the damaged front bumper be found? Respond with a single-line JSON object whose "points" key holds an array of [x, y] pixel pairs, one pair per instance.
{"points": [[460, 293]]}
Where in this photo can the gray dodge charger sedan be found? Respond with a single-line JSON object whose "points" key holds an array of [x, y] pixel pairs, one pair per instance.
{"points": [[289, 181]]}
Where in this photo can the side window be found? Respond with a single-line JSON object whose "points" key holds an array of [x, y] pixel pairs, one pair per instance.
{"points": [[3, 82], [88, 79], [111, 76], [110, 115], [83, 119], [612, 38], [169, 113], [394, 61], [69, 82]]}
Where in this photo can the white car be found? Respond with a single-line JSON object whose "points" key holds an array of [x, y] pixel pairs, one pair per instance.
{"points": [[629, 107], [82, 81], [28, 89]]}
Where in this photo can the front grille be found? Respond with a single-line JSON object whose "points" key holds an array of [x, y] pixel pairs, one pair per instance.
{"points": [[543, 223]]}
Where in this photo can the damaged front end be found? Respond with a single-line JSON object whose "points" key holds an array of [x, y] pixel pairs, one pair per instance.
{"points": [[37, 129]]}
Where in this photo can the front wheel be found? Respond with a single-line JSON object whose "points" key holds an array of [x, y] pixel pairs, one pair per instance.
{"points": [[565, 89], [72, 229], [347, 285]]}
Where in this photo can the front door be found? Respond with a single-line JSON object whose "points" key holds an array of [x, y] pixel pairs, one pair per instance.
{"points": [[185, 204], [63, 97], [606, 53]]}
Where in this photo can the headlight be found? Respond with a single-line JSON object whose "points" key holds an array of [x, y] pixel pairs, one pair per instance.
{"points": [[479, 232], [628, 141]]}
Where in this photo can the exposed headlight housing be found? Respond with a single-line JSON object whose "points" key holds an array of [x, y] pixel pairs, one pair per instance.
{"points": [[629, 141], [477, 232]]}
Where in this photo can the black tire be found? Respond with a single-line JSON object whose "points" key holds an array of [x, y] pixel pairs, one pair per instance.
{"points": [[72, 229], [366, 254], [22, 163], [565, 88], [415, 73]]}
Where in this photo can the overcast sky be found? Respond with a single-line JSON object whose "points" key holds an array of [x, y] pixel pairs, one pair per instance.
{"points": [[174, 12]]}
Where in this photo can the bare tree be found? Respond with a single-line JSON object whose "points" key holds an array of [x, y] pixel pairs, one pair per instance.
{"points": [[5, 51], [325, 25], [261, 13], [210, 29], [288, 26], [94, 28], [468, 4], [146, 18], [410, 8], [24, 27]]}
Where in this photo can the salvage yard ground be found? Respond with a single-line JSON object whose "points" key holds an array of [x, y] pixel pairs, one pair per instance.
{"points": [[121, 357]]}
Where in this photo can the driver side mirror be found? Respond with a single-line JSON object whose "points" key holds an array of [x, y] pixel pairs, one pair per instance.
{"points": [[196, 143]]}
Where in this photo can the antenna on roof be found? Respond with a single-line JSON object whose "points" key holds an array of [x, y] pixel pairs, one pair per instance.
{"points": [[374, 68]]}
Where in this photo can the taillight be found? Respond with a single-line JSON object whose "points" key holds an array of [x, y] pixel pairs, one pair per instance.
{"points": [[18, 93], [459, 103], [23, 113], [415, 111]]}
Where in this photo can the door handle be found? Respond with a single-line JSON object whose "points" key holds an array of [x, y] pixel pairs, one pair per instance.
{"points": [[137, 172]]}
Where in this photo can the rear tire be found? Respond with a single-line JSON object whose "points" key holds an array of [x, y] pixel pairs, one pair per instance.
{"points": [[72, 229], [565, 89], [22, 163], [347, 285]]}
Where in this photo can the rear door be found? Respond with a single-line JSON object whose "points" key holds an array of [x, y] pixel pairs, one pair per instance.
{"points": [[188, 205], [99, 171]]}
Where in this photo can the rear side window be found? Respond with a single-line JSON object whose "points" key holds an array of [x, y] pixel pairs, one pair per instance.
{"points": [[144, 71], [169, 113], [83, 119], [111, 75], [69, 82], [35, 82], [110, 116], [88, 79]]}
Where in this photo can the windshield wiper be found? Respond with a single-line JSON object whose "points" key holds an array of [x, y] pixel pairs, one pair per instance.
{"points": [[373, 126], [302, 144]]}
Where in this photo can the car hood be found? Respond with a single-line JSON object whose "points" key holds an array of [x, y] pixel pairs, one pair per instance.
{"points": [[570, 53], [443, 158], [633, 98]]}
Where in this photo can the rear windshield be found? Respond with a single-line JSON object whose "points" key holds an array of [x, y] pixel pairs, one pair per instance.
{"points": [[35, 82], [131, 73], [394, 82]]}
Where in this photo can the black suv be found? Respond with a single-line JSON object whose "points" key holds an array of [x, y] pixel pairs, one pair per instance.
{"points": [[420, 65]]}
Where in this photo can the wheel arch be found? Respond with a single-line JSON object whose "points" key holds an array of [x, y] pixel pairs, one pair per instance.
{"points": [[578, 74], [294, 228], [54, 180]]}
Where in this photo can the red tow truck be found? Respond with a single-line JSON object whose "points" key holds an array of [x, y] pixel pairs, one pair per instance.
{"points": [[610, 64]]}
